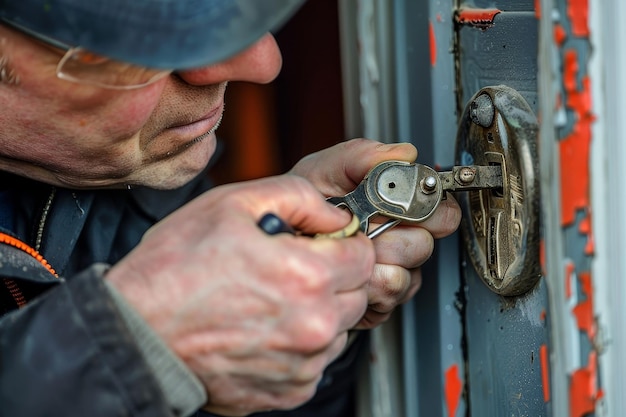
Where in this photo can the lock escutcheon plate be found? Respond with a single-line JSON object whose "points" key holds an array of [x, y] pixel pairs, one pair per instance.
{"points": [[501, 226]]}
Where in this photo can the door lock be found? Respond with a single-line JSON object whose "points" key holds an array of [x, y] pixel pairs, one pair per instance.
{"points": [[500, 226]]}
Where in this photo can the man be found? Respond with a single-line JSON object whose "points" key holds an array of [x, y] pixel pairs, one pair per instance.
{"points": [[127, 290]]}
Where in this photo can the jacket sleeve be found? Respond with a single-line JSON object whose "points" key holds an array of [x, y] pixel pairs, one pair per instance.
{"points": [[70, 353]]}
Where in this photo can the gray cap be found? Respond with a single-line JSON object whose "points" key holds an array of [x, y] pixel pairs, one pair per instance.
{"points": [[172, 34]]}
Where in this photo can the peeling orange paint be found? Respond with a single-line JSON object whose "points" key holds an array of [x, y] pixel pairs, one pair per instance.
{"points": [[560, 35], [575, 147], [583, 311], [578, 13], [538, 9], [480, 18], [545, 372], [433, 45], [570, 70], [453, 389], [583, 390]]}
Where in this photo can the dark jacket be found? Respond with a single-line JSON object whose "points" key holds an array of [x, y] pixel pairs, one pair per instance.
{"points": [[67, 352]]}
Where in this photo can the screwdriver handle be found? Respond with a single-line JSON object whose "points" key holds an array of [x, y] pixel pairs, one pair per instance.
{"points": [[273, 225]]}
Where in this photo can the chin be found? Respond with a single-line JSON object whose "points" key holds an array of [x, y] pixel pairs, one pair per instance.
{"points": [[167, 183], [174, 172]]}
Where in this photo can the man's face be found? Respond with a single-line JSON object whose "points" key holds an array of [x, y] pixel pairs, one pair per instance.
{"points": [[83, 136]]}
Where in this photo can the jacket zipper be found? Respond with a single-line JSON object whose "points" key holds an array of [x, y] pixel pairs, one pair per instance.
{"points": [[44, 217], [11, 285]]}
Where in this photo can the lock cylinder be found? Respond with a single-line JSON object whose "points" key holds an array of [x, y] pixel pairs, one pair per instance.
{"points": [[500, 226]]}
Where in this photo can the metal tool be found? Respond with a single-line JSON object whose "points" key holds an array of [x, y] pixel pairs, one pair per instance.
{"points": [[411, 192], [271, 224]]}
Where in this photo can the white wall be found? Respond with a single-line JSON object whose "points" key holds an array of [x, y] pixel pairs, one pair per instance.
{"points": [[608, 72]]}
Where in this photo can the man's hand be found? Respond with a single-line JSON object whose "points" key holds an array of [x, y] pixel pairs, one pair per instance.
{"points": [[256, 317], [400, 251]]}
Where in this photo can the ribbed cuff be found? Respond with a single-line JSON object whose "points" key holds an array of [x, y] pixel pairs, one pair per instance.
{"points": [[182, 390]]}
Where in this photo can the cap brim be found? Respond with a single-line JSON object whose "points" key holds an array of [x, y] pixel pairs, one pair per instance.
{"points": [[172, 34]]}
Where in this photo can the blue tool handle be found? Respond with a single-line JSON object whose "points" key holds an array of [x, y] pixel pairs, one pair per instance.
{"points": [[272, 225]]}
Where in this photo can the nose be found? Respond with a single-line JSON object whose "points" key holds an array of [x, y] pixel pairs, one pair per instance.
{"points": [[259, 63]]}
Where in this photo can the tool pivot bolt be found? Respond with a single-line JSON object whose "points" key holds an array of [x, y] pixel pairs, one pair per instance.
{"points": [[429, 184]]}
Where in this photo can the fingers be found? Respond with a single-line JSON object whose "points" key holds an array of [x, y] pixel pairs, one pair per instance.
{"points": [[411, 245], [353, 256], [399, 254], [390, 286], [445, 220], [406, 246]]}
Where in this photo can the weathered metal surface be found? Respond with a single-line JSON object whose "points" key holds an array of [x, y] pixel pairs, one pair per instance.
{"points": [[506, 337], [505, 53]]}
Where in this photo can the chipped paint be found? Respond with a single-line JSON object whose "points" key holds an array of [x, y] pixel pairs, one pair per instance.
{"points": [[575, 147], [560, 34], [578, 14], [538, 9], [478, 18], [583, 311], [453, 389], [576, 134], [545, 372], [584, 393], [433, 44]]}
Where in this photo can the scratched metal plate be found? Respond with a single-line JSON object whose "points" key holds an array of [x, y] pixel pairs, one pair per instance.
{"points": [[505, 337]]}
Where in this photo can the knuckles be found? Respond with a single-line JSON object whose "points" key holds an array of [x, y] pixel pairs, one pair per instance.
{"points": [[388, 287], [316, 332]]}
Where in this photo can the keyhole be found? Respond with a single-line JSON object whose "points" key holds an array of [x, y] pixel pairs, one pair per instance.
{"points": [[392, 185]]}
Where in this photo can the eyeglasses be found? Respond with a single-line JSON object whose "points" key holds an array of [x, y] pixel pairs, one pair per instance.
{"points": [[84, 67]]}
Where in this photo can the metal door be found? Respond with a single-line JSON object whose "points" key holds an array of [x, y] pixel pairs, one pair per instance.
{"points": [[461, 349]]}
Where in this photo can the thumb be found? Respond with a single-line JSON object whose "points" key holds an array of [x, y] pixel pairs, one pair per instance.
{"points": [[339, 169]]}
